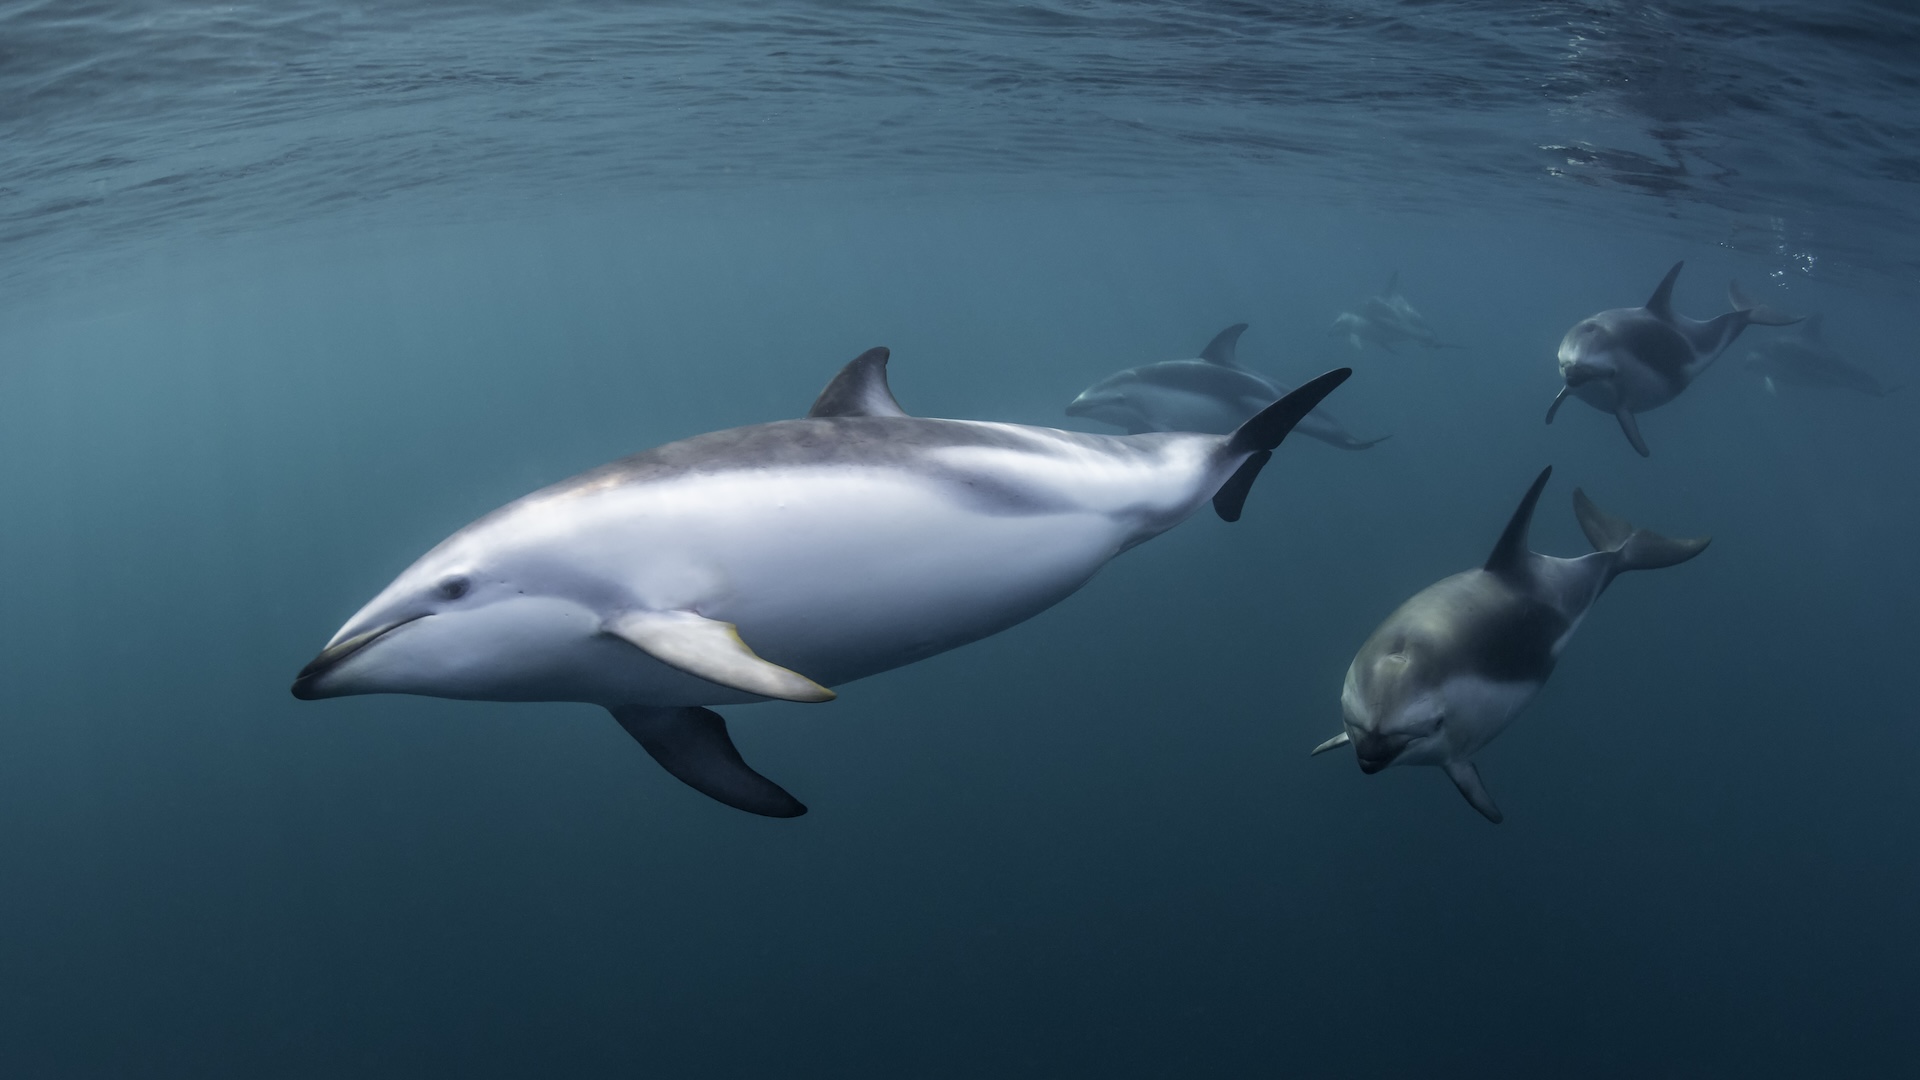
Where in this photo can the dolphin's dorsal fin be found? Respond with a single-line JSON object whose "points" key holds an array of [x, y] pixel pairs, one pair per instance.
{"points": [[1661, 302], [1393, 285], [1510, 554], [859, 390], [1223, 349], [1810, 327]]}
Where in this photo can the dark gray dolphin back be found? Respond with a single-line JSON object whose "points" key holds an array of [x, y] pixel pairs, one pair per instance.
{"points": [[1224, 348], [1261, 433], [1635, 549], [860, 389]]}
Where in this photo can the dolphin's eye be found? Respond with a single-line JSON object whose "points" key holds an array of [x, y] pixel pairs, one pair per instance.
{"points": [[454, 588]]}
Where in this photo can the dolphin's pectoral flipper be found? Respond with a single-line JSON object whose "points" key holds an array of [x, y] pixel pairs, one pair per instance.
{"points": [[1467, 779], [1334, 743], [711, 650], [1224, 348], [1630, 427], [1638, 549], [859, 390], [692, 743], [1557, 399], [1262, 432]]}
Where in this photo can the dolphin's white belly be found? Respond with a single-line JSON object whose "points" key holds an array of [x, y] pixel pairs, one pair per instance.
{"points": [[835, 574]]}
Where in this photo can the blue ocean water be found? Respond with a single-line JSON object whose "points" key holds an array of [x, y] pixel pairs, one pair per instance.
{"points": [[288, 293]]}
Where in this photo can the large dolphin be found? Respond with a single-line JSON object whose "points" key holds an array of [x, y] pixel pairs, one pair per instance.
{"points": [[1628, 360], [1386, 320], [1453, 666], [1806, 360], [776, 561], [1210, 393]]}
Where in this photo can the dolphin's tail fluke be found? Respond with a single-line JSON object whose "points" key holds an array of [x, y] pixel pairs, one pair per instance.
{"points": [[1634, 549], [1757, 314], [1255, 439]]}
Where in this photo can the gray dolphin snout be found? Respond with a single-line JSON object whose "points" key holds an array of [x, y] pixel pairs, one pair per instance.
{"points": [[1375, 752], [305, 684]]}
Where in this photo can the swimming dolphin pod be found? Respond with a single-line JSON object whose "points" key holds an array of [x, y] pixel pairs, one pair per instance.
{"points": [[1452, 667], [1209, 393], [777, 561], [1628, 360]]}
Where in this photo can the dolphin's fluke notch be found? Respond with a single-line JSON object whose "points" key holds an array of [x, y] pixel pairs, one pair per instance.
{"points": [[692, 743], [1467, 779], [1264, 431], [1637, 549], [1334, 743], [859, 390], [711, 650]]}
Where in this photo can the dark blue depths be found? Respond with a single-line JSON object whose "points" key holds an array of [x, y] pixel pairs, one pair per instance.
{"points": [[1093, 845]]}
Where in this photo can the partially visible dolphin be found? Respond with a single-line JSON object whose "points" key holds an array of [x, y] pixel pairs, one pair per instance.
{"points": [[1454, 665], [1387, 320], [1211, 393], [1805, 359], [1628, 360], [776, 561]]}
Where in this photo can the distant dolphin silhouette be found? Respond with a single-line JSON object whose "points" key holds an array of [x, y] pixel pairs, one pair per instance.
{"points": [[1387, 320], [1806, 360], [1210, 393]]}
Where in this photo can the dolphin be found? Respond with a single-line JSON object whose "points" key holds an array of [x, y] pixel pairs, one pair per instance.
{"points": [[778, 561], [1628, 360], [1386, 320], [1805, 359], [1211, 393], [1454, 665]]}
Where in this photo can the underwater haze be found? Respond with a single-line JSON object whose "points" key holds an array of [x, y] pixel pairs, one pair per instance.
{"points": [[288, 293]]}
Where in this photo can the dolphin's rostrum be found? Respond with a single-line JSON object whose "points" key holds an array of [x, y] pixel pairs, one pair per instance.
{"points": [[1450, 669], [776, 561]]}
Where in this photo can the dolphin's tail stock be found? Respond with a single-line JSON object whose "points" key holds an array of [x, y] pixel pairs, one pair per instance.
{"points": [[1262, 432], [1632, 548]]}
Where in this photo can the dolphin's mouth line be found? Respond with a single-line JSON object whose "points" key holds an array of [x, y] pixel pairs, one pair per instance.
{"points": [[336, 654]]}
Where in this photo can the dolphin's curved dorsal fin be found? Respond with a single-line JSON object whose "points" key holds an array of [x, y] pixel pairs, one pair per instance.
{"points": [[1393, 285], [859, 390], [1661, 302], [1510, 554], [1223, 349]]}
